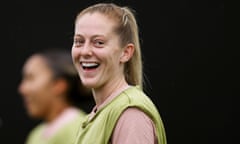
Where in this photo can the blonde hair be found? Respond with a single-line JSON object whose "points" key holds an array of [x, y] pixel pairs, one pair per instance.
{"points": [[127, 29]]}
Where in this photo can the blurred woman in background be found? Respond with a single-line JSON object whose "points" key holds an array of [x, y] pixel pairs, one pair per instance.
{"points": [[52, 92]]}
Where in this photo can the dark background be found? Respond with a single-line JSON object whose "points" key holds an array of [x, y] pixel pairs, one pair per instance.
{"points": [[184, 62]]}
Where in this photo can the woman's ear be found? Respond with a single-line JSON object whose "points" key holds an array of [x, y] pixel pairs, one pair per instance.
{"points": [[60, 86], [127, 53]]}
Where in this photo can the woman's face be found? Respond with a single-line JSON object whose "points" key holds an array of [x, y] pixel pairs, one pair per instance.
{"points": [[36, 87], [96, 51]]}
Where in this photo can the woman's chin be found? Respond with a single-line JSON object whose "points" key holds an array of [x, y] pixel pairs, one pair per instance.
{"points": [[34, 114], [89, 83]]}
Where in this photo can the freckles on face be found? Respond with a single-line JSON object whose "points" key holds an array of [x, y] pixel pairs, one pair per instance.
{"points": [[96, 49], [35, 86]]}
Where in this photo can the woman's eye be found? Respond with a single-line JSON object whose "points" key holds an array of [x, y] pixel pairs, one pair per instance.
{"points": [[98, 43], [78, 42]]}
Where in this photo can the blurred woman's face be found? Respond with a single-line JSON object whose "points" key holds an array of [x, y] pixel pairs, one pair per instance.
{"points": [[36, 87]]}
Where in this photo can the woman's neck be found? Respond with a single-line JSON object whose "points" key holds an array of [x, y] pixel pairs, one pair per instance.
{"points": [[101, 94], [55, 111]]}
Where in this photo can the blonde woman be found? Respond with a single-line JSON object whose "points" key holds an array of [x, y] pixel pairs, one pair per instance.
{"points": [[106, 53]]}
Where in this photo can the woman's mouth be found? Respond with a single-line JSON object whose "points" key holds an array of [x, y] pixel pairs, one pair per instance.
{"points": [[89, 65]]}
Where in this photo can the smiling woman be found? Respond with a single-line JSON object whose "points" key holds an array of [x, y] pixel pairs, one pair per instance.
{"points": [[107, 55]]}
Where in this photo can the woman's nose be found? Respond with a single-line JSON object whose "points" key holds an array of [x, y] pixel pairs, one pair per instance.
{"points": [[21, 88], [86, 50]]}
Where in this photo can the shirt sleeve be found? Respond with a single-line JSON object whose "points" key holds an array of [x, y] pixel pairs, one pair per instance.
{"points": [[134, 127]]}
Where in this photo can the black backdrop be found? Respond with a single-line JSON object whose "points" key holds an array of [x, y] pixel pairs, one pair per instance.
{"points": [[184, 62]]}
